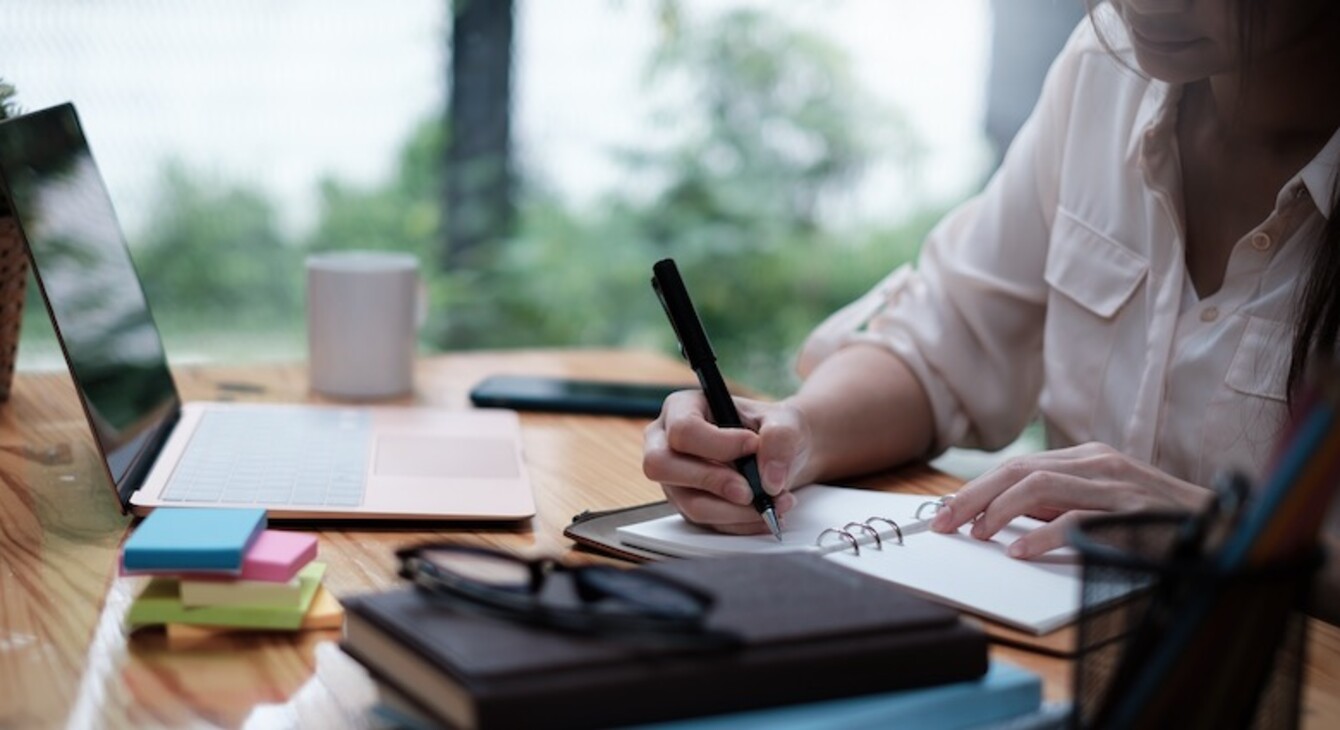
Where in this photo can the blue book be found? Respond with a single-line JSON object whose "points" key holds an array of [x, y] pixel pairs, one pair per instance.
{"points": [[1006, 698], [1005, 692], [193, 539]]}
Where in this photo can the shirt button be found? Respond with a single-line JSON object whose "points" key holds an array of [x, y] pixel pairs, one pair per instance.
{"points": [[1261, 241], [1209, 314]]}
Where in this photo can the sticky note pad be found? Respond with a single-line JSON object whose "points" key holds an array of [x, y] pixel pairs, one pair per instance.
{"points": [[160, 603], [324, 614], [223, 592], [193, 539], [277, 556]]}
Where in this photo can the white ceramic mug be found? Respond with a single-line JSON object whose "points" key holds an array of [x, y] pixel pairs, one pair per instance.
{"points": [[364, 309]]}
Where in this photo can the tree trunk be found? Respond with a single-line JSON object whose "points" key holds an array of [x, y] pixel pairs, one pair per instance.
{"points": [[477, 174]]}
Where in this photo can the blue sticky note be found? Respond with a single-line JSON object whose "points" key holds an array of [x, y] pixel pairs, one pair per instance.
{"points": [[190, 538]]}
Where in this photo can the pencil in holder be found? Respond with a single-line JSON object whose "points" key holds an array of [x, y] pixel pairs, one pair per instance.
{"points": [[1191, 646]]}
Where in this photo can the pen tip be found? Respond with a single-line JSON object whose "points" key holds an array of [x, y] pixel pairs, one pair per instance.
{"points": [[770, 517]]}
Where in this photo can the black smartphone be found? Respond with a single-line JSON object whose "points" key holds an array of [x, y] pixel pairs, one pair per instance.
{"points": [[565, 395]]}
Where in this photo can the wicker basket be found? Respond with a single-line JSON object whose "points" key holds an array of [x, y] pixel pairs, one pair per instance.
{"points": [[13, 281]]}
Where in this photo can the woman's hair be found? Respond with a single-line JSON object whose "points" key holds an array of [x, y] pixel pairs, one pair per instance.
{"points": [[1317, 308], [1317, 315]]}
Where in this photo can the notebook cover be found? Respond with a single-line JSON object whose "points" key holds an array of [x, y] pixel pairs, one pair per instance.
{"points": [[192, 538], [160, 603], [810, 632], [598, 531]]}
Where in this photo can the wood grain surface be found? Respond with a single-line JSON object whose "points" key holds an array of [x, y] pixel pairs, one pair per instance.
{"points": [[66, 660]]}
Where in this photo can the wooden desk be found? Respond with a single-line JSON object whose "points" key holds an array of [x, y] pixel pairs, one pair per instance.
{"points": [[65, 659]]}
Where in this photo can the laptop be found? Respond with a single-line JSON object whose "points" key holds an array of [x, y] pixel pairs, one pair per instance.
{"points": [[307, 461]]}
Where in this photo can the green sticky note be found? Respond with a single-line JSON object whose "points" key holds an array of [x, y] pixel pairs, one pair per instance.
{"points": [[160, 603]]}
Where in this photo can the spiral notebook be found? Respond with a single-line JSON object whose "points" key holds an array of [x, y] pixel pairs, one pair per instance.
{"points": [[861, 529]]}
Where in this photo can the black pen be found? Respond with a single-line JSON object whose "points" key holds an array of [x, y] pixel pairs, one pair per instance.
{"points": [[695, 348]]}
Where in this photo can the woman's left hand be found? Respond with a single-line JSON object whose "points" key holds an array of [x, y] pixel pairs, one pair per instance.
{"points": [[1062, 486]]}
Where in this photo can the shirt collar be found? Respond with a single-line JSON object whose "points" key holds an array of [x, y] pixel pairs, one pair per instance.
{"points": [[1155, 140], [1319, 175], [1156, 128]]}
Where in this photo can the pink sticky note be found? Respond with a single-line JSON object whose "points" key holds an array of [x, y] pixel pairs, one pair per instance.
{"points": [[276, 556]]}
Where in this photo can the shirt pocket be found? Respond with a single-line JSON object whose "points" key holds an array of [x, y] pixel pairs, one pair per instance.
{"points": [[1091, 282], [1247, 412]]}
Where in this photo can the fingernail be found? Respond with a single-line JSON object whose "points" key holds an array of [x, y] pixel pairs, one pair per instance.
{"points": [[943, 518], [785, 502], [978, 530], [1018, 549], [740, 493], [774, 476]]}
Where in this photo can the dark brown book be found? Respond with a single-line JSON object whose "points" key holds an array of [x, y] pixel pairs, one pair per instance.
{"points": [[811, 630]]}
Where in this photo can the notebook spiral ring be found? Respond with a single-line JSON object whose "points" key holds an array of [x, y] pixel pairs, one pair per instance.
{"points": [[864, 526], [845, 532], [897, 531], [842, 534], [934, 505]]}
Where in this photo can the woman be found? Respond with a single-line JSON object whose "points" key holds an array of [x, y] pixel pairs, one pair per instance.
{"points": [[1151, 269]]}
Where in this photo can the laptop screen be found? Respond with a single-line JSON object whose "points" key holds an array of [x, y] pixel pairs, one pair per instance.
{"points": [[91, 289]]}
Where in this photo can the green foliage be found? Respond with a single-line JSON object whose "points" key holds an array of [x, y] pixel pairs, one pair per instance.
{"points": [[773, 126], [214, 255], [402, 215], [7, 106], [774, 121], [8, 109]]}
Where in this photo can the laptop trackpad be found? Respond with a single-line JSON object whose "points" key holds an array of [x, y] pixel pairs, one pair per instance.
{"points": [[451, 457]]}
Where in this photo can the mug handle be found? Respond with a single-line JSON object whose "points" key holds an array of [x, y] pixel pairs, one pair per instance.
{"points": [[420, 303]]}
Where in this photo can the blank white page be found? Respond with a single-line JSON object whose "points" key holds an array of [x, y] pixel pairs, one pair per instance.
{"points": [[818, 508], [1036, 595], [978, 576]]}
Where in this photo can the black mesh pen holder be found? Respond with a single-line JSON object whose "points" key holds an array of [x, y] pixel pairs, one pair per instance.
{"points": [[1166, 639]]}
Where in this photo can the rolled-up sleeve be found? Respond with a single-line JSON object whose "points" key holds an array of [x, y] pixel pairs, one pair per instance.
{"points": [[968, 319]]}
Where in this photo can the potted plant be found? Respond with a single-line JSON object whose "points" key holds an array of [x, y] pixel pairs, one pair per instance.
{"points": [[13, 269]]}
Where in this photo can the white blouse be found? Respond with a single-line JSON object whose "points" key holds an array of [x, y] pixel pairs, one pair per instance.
{"points": [[1063, 288]]}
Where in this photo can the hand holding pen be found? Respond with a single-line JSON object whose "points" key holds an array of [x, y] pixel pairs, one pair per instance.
{"points": [[661, 462]]}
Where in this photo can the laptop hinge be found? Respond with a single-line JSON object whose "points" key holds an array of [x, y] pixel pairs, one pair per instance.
{"points": [[144, 461]]}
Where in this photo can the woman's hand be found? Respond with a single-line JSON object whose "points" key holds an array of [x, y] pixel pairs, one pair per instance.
{"points": [[1063, 486], [694, 460]]}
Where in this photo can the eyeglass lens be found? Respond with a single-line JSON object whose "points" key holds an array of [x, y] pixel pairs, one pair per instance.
{"points": [[493, 569]]}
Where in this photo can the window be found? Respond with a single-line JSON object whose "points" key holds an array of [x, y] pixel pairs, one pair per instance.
{"points": [[786, 154]]}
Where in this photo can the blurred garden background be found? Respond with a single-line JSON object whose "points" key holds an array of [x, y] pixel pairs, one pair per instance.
{"points": [[537, 155]]}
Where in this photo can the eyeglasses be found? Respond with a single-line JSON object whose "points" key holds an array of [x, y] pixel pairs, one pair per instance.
{"points": [[631, 605]]}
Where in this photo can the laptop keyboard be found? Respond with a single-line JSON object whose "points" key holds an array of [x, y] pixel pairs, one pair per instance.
{"points": [[279, 457]]}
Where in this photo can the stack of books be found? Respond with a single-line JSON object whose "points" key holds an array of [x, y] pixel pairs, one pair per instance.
{"points": [[868, 653], [213, 570]]}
